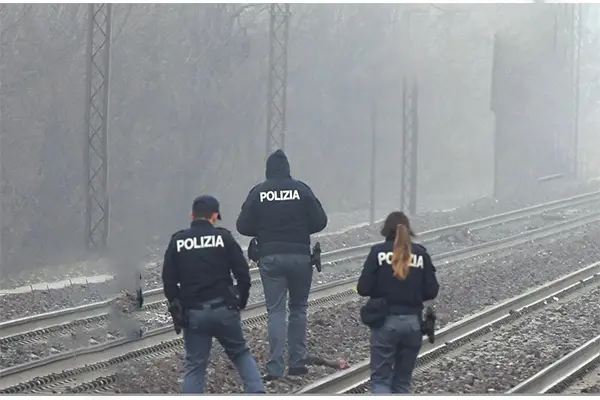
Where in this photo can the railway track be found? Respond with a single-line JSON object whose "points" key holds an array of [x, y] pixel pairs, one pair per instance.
{"points": [[456, 336], [334, 257], [70, 317], [81, 363], [562, 374], [39, 327], [95, 362], [330, 259], [348, 254]]}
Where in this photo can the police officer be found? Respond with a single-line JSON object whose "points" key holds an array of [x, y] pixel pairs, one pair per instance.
{"points": [[400, 273], [282, 213], [200, 259]]}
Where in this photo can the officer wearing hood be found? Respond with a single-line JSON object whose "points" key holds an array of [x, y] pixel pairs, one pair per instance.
{"points": [[282, 213]]}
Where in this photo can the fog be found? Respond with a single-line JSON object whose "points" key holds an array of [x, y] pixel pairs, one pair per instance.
{"points": [[188, 97]]}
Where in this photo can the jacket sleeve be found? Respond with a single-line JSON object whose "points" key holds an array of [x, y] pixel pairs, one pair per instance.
{"points": [[170, 274], [431, 286], [368, 276], [239, 267], [317, 219], [246, 223]]}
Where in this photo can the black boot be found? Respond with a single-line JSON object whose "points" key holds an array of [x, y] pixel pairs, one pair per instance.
{"points": [[270, 378], [296, 371]]}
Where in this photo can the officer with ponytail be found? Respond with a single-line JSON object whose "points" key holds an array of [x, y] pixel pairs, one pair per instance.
{"points": [[398, 276]]}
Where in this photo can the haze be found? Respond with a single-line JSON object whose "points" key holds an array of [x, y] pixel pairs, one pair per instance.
{"points": [[188, 112]]}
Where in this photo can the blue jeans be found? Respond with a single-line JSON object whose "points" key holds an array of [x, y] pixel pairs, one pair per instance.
{"points": [[281, 273], [394, 351], [225, 325]]}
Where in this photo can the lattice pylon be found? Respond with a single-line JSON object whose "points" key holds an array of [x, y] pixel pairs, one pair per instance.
{"points": [[408, 201], [576, 34], [96, 118], [276, 102], [1, 135]]}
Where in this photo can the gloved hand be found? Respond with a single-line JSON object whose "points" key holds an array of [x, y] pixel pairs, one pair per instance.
{"points": [[428, 325], [315, 257], [238, 297], [243, 294], [253, 250], [176, 311], [244, 300]]}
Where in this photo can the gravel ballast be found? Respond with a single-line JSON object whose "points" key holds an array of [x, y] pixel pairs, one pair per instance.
{"points": [[594, 389], [589, 384], [515, 352], [473, 275], [517, 261], [82, 336], [164, 375], [336, 332], [36, 302], [478, 209]]}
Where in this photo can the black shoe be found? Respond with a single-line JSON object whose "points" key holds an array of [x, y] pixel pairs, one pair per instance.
{"points": [[270, 378], [298, 371]]}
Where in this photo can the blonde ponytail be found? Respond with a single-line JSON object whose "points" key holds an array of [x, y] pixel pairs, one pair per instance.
{"points": [[402, 254]]}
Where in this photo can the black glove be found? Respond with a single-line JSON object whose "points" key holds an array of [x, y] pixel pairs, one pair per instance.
{"points": [[243, 302], [253, 250], [237, 298], [428, 325], [315, 257], [176, 312]]}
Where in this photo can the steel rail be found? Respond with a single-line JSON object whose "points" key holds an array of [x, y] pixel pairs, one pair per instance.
{"points": [[559, 375], [98, 310], [338, 290], [466, 330], [350, 253], [45, 320]]}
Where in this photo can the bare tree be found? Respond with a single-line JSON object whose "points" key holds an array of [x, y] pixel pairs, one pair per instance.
{"points": [[188, 104]]}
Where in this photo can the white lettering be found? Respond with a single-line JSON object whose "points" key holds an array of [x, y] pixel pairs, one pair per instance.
{"points": [[417, 261], [279, 195], [200, 242], [386, 257]]}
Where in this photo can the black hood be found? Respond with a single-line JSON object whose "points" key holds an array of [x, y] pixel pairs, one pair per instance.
{"points": [[278, 166]]}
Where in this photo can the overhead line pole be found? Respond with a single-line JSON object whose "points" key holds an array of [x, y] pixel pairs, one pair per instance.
{"points": [[96, 126], [277, 89]]}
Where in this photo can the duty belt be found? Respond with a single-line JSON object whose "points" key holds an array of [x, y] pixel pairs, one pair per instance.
{"points": [[403, 310], [208, 306]]}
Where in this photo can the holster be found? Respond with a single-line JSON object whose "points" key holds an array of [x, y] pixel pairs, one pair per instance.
{"points": [[253, 250], [315, 257], [374, 313], [232, 297], [428, 324], [178, 315]]}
